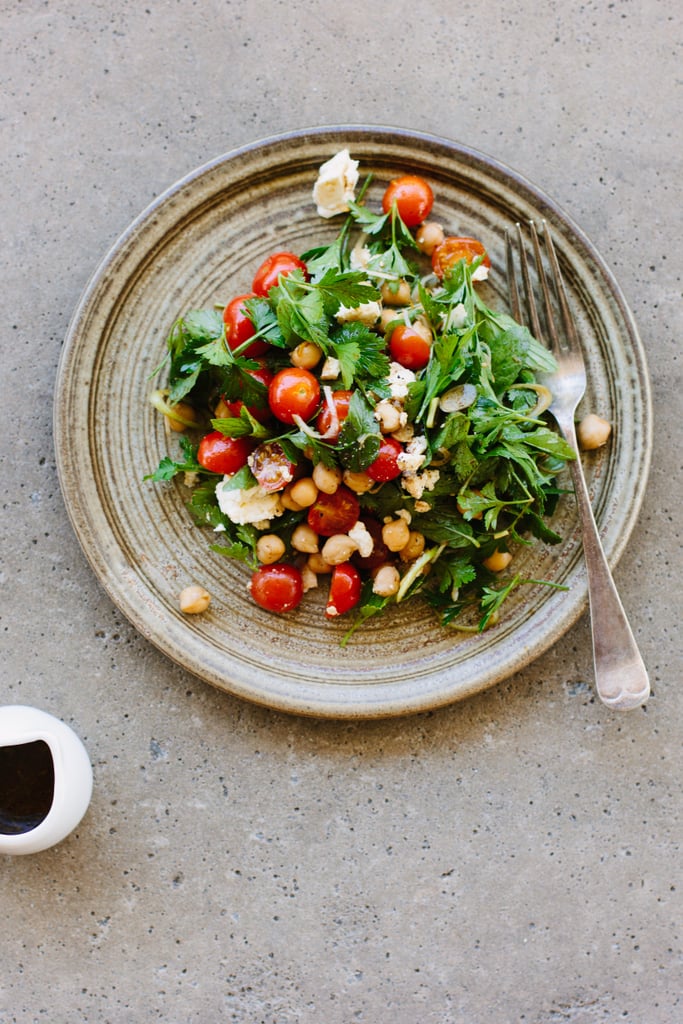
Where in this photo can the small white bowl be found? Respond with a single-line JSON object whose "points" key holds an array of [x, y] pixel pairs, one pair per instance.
{"points": [[57, 780]]}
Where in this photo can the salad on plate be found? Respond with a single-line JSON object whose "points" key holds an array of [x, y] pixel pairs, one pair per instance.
{"points": [[362, 421]]}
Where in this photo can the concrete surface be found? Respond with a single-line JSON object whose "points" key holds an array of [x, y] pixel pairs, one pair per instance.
{"points": [[512, 858]]}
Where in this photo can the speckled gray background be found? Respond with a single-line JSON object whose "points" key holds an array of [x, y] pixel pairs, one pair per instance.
{"points": [[514, 858]]}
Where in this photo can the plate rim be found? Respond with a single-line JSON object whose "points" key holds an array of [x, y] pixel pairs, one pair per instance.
{"points": [[364, 706]]}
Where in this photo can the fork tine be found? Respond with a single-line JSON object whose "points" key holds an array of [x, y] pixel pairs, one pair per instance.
{"points": [[545, 290], [567, 318], [528, 289], [513, 291]]}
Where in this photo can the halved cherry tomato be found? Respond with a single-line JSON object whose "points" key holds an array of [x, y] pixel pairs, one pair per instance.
{"points": [[453, 249], [413, 197], [293, 392], [386, 467], [271, 467], [239, 328], [409, 348], [277, 588], [345, 590], [268, 274], [260, 413], [221, 454], [333, 513], [329, 424]]}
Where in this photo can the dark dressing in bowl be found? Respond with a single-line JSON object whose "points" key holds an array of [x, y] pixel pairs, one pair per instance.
{"points": [[27, 786]]}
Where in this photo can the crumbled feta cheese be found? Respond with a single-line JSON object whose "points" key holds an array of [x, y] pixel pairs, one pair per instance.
{"points": [[458, 315], [481, 273], [359, 257], [331, 368], [412, 458], [249, 505], [417, 483], [362, 539], [367, 313], [399, 378], [336, 183]]}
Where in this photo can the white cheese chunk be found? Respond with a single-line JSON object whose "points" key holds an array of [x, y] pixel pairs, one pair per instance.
{"points": [[399, 378], [362, 539], [336, 183], [249, 505]]}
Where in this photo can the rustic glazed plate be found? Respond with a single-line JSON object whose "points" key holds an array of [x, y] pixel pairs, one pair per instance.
{"points": [[200, 243]]}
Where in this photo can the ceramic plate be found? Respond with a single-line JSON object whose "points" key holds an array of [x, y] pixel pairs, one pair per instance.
{"points": [[200, 243]]}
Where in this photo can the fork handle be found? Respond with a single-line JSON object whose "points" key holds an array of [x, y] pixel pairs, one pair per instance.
{"points": [[621, 678]]}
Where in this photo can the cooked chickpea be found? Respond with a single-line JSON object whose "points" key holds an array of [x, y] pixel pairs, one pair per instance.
{"points": [[269, 547], [388, 416], [386, 317], [338, 548], [288, 501], [422, 328], [185, 417], [222, 409], [317, 564], [327, 479], [304, 492], [304, 539], [387, 581], [194, 599], [308, 579], [592, 432], [428, 236], [498, 561], [396, 534], [306, 355], [414, 547], [395, 293], [358, 482]]}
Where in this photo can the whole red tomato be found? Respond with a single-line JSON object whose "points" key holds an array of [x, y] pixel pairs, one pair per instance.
{"points": [[409, 348], [455, 248], [239, 328], [279, 264], [277, 588], [386, 467], [345, 590], [413, 197], [330, 425], [334, 513], [221, 454], [292, 392]]}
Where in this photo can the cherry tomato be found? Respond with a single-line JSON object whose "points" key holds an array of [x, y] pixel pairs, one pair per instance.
{"points": [[453, 249], [271, 467], [268, 274], [260, 413], [345, 588], [221, 454], [409, 348], [277, 588], [239, 328], [334, 513], [386, 467], [413, 197], [293, 392], [325, 422]]}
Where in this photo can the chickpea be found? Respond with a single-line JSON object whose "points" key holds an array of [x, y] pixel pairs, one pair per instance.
{"points": [[317, 564], [396, 534], [327, 479], [593, 432], [338, 548], [395, 296], [306, 355], [498, 561], [422, 328], [386, 317], [222, 410], [288, 501], [387, 581], [269, 547], [388, 416], [187, 417], [309, 579], [194, 599], [429, 235], [303, 492], [358, 482], [304, 539], [414, 547]]}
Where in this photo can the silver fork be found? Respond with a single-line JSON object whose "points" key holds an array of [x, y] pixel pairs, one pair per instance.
{"points": [[620, 675]]}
